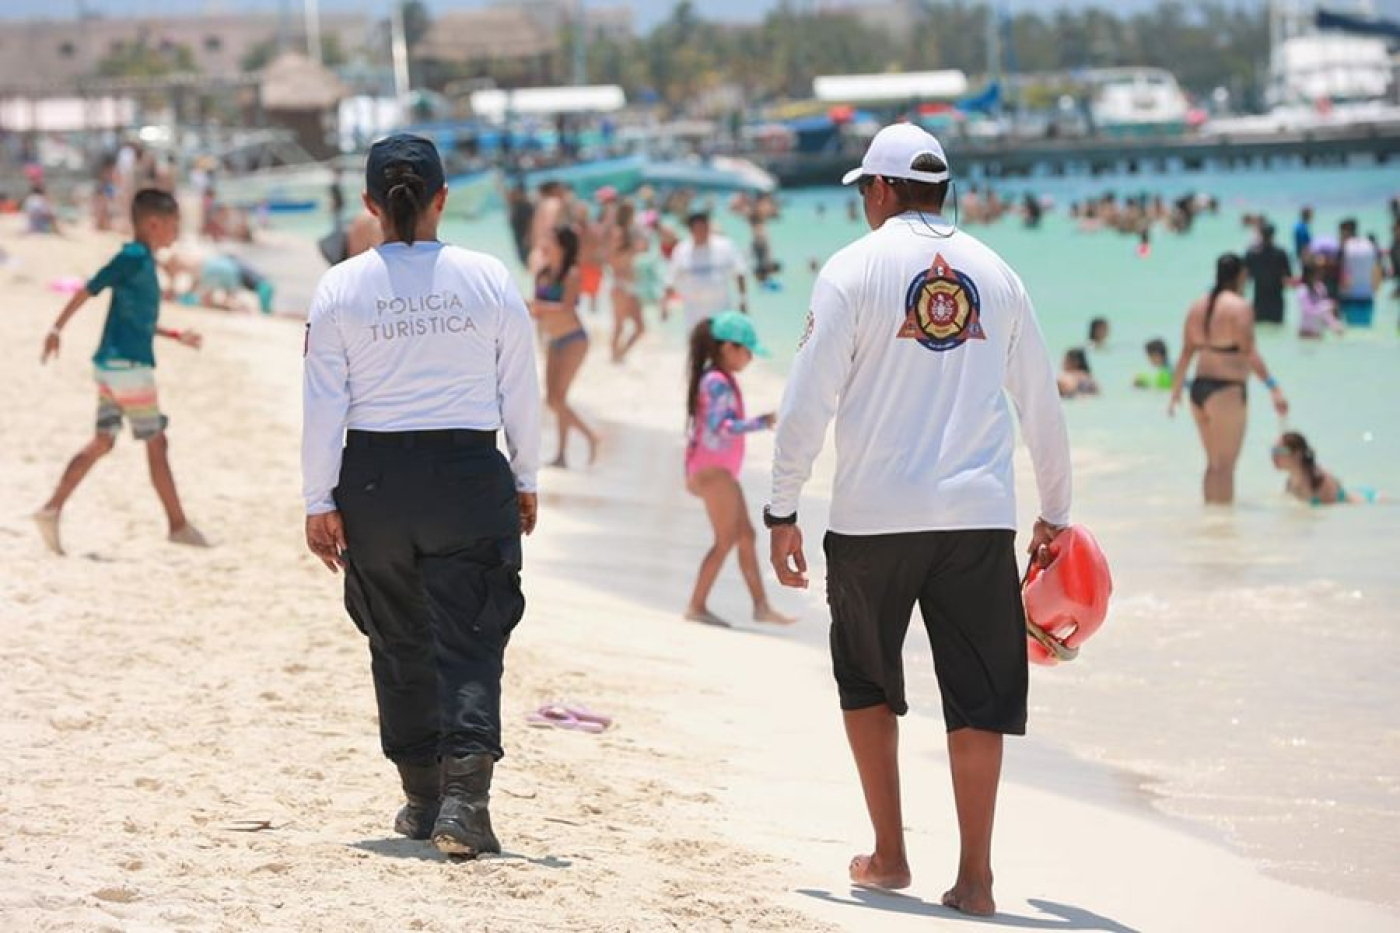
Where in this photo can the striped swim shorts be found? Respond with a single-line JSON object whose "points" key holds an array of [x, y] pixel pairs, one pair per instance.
{"points": [[128, 390]]}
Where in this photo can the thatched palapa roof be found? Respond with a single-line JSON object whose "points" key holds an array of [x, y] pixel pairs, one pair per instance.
{"points": [[291, 81], [497, 33]]}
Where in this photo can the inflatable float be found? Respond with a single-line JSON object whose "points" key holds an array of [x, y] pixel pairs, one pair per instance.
{"points": [[1066, 600]]}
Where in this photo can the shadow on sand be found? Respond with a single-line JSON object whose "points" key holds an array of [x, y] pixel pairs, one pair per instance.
{"points": [[1056, 916], [400, 847]]}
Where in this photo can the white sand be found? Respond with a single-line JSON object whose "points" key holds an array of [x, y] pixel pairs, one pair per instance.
{"points": [[158, 696]]}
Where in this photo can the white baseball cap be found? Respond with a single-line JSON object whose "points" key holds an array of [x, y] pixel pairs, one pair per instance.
{"points": [[893, 151]]}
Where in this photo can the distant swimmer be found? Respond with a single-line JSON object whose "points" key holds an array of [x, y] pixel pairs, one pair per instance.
{"points": [[1309, 482], [1360, 278], [1160, 374], [1270, 271], [1098, 333], [1075, 378], [720, 348], [1220, 328], [1317, 310]]}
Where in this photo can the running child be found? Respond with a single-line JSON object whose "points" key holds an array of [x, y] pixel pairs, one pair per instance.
{"points": [[720, 348], [125, 364]]}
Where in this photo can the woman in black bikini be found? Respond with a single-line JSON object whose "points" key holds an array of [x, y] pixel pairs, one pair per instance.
{"points": [[1220, 327]]}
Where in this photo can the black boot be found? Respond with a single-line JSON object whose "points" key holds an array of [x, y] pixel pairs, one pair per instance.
{"points": [[422, 787], [463, 825]]}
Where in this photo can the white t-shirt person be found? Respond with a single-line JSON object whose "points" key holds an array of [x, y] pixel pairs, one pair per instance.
{"points": [[914, 342], [704, 277]]}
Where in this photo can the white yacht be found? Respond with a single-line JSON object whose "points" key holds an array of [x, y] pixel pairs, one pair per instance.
{"points": [[1137, 102]]}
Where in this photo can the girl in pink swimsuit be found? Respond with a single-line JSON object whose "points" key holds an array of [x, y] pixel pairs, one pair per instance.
{"points": [[719, 349]]}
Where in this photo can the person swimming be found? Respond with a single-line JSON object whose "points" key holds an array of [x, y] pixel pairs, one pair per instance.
{"points": [[1075, 377], [1098, 332], [1309, 482], [1317, 310], [1160, 376]]}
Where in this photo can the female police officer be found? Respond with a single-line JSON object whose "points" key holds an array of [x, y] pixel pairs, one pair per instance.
{"points": [[423, 352]]}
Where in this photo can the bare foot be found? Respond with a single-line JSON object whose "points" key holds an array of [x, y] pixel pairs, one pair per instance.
{"points": [[592, 449], [705, 617], [558, 463], [188, 534], [772, 616], [866, 872], [47, 520], [971, 897]]}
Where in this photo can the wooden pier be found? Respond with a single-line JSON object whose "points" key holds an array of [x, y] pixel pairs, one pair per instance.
{"points": [[1013, 158]]}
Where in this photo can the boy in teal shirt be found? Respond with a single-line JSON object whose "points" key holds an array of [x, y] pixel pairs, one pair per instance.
{"points": [[125, 364]]}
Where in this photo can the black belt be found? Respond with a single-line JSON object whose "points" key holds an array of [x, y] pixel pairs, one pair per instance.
{"points": [[420, 440]]}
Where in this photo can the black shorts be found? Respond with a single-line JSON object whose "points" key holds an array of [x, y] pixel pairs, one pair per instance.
{"points": [[967, 587]]}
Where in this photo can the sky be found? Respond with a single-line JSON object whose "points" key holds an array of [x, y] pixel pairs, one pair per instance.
{"points": [[648, 12]]}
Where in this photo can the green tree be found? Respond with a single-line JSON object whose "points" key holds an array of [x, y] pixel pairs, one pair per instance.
{"points": [[258, 56], [141, 59]]}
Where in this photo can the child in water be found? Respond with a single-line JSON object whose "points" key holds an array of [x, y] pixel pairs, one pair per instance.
{"points": [[1317, 310], [1098, 332], [1306, 480], [1160, 376], [1075, 378], [720, 348]]}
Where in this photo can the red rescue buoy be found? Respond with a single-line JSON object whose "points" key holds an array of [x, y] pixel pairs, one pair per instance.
{"points": [[1066, 601]]}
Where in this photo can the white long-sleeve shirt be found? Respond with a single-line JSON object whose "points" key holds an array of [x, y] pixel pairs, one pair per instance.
{"points": [[914, 340], [417, 338]]}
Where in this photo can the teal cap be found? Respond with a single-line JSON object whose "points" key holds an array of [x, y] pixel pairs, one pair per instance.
{"points": [[733, 327]]}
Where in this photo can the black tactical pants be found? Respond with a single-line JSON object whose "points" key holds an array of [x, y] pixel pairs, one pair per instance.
{"points": [[433, 579]]}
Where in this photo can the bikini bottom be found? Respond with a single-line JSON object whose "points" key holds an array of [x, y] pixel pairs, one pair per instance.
{"points": [[1203, 387]]}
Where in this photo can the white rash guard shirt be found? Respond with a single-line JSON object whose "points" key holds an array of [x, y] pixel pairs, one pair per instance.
{"points": [[705, 277], [913, 342], [417, 338]]}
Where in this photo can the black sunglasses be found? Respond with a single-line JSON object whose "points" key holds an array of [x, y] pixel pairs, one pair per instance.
{"points": [[863, 184]]}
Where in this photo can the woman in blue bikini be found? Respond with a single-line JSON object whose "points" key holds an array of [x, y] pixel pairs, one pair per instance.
{"points": [[1220, 327], [555, 306]]}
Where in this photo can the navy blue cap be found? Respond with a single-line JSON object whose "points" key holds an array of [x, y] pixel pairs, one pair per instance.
{"points": [[413, 152]]}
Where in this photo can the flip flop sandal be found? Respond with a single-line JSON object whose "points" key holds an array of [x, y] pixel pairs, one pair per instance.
{"points": [[557, 717], [584, 714]]}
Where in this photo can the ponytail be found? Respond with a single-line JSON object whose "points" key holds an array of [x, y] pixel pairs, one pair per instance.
{"points": [[704, 350], [567, 238], [1298, 444], [1227, 272], [405, 200]]}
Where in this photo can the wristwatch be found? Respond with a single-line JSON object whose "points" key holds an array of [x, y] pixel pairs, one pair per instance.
{"points": [[775, 521]]}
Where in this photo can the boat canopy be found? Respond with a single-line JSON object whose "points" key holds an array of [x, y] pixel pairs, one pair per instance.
{"points": [[495, 103], [909, 85]]}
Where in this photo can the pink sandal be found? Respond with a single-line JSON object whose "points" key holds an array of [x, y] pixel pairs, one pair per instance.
{"points": [[560, 717]]}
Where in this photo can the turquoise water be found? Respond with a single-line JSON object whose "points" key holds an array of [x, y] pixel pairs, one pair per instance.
{"points": [[1261, 636]]}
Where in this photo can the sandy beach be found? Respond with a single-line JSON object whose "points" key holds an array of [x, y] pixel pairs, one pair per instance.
{"points": [[191, 734]]}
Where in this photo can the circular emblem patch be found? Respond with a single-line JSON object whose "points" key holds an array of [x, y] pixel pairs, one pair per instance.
{"points": [[942, 308]]}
